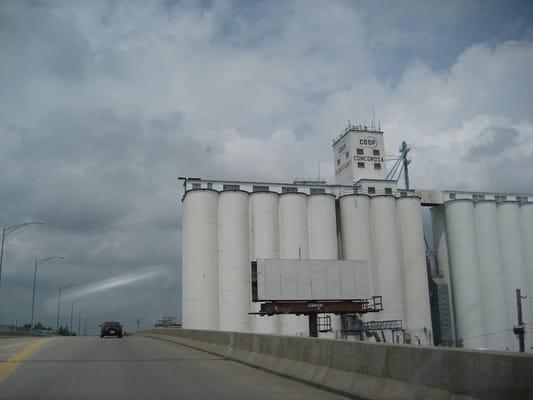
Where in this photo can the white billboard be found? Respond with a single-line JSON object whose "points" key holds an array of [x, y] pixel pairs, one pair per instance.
{"points": [[282, 279]]}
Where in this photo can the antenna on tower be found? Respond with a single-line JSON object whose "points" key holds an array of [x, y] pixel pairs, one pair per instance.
{"points": [[373, 118]]}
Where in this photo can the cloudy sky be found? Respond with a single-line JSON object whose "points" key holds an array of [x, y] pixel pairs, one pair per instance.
{"points": [[105, 103]]}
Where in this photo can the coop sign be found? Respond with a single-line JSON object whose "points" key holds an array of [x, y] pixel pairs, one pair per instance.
{"points": [[342, 167], [368, 141]]}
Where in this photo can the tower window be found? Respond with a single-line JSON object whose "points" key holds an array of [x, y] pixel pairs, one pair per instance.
{"points": [[388, 191], [377, 165], [360, 151], [371, 190], [210, 185], [452, 196], [347, 154], [375, 152], [196, 186], [360, 165], [338, 161], [260, 188], [478, 197], [500, 198], [317, 190]]}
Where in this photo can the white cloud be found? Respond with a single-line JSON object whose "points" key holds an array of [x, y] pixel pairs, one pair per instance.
{"points": [[110, 102]]}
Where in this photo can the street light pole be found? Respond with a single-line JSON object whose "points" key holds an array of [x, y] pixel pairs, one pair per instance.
{"points": [[72, 315], [2, 252], [59, 302], [33, 297], [37, 263], [7, 231], [79, 322]]}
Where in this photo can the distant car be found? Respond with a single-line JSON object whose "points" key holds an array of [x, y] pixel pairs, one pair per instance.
{"points": [[111, 328]]}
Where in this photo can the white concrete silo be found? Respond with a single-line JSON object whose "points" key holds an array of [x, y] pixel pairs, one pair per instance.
{"points": [[465, 273], [491, 275], [264, 243], [526, 222], [200, 260], [356, 232], [356, 236], [512, 256], [322, 224], [387, 258], [233, 262], [293, 244], [417, 308]]}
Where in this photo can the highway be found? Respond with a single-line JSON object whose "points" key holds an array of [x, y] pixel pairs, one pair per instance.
{"points": [[133, 368]]}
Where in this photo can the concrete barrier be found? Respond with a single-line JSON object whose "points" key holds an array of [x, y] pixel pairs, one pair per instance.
{"points": [[372, 370]]}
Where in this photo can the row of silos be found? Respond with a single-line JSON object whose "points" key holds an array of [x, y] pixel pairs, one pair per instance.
{"points": [[223, 232], [487, 253], [388, 232], [307, 230]]}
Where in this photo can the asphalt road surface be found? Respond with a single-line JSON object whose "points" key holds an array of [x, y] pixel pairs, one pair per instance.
{"points": [[133, 368]]}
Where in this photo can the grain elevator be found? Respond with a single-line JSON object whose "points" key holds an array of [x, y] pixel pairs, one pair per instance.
{"points": [[452, 284]]}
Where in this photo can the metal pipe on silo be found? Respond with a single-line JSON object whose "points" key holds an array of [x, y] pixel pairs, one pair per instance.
{"points": [[200, 260], [491, 274], [526, 224], [387, 258], [264, 243], [417, 308], [440, 246], [512, 255], [322, 224], [233, 261], [465, 273], [293, 244]]}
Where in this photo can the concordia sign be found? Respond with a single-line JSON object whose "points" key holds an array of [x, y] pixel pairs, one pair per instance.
{"points": [[368, 158]]}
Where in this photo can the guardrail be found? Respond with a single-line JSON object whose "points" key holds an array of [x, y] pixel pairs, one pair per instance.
{"points": [[12, 330], [371, 370]]}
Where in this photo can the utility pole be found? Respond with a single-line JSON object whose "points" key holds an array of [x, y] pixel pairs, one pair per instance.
{"points": [[519, 329]]}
